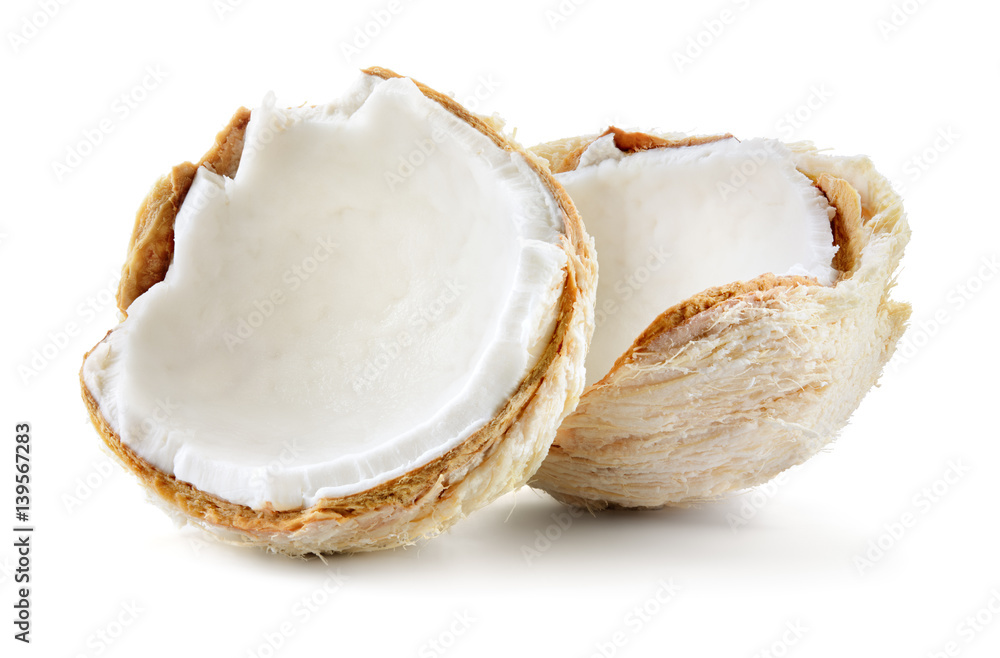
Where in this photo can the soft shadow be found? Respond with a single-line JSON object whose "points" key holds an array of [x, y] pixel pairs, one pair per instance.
{"points": [[529, 539]]}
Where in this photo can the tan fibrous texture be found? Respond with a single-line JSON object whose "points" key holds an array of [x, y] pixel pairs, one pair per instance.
{"points": [[426, 501], [731, 387], [151, 246]]}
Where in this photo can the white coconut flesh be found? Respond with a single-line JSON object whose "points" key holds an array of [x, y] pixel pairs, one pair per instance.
{"points": [[365, 293], [669, 223]]}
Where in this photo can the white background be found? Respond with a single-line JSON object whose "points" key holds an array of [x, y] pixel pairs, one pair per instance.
{"points": [[107, 562]]}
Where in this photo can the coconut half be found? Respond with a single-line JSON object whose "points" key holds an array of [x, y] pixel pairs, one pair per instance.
{"points": [[742, 312], [348, 325]]}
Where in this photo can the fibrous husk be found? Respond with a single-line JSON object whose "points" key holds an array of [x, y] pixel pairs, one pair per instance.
{"points": [[494, 460], [730, 387]]}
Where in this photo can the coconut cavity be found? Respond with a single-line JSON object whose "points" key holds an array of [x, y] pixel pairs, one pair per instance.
{"points": [[670, 222], [364, 294]]}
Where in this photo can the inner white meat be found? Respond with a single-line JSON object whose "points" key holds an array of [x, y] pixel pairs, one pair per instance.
{"points": [[669, 223], [366, 293]]}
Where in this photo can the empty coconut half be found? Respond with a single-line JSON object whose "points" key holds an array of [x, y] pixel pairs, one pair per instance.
{"points": [[742, 312], [348, 325]]}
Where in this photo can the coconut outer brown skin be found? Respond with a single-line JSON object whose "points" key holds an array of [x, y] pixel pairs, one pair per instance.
{"points": [[727, 389], [497, 459]]}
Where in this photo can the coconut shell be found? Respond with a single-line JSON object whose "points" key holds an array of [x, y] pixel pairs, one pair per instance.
{"points": [[729, 388], [496, 459]]}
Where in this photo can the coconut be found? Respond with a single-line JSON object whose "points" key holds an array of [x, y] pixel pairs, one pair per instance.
{"points": [[347, 326], [742, 313]]}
